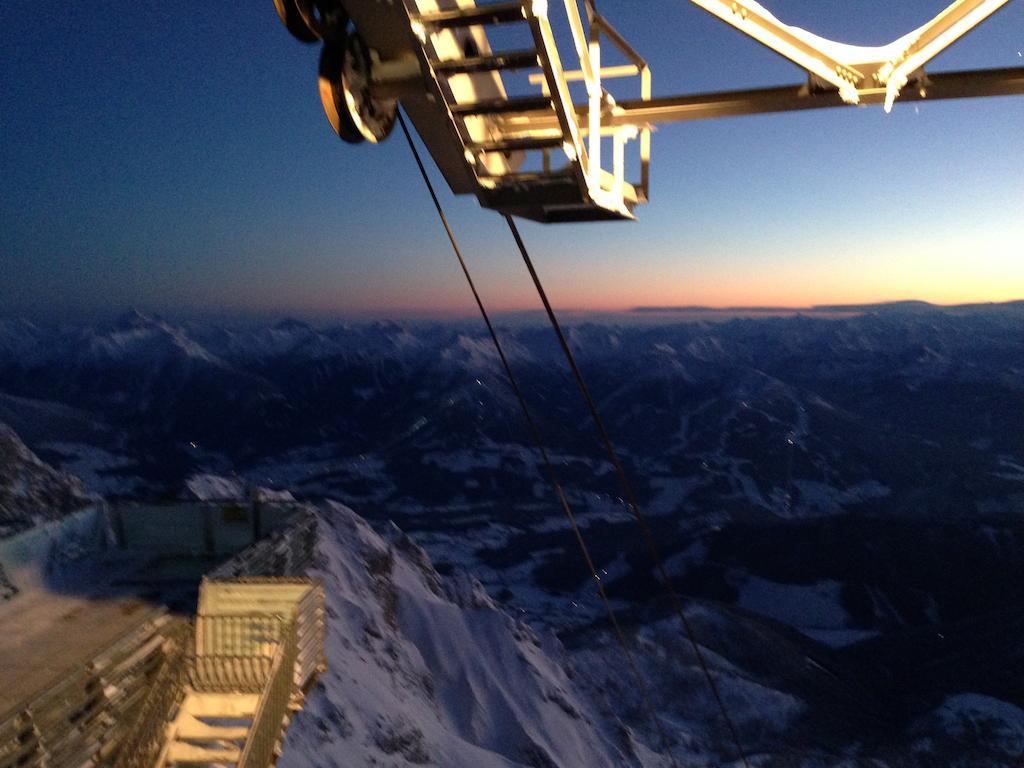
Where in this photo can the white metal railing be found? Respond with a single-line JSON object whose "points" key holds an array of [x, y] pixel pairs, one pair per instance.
{"points": [[149, 728], [589, 51], [555, 81], [609, 189], [270, 718]]}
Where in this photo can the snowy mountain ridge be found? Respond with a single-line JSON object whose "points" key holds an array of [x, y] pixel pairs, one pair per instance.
{"points": [[30, 489], [429, 670]]}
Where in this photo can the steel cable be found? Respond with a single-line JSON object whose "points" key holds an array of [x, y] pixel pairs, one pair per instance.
{"points": [[627, 488], [542, 450]]}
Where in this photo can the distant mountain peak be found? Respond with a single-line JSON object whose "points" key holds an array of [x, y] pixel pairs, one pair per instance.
{"points": [[30, 489], [906, 305], [291, 324], [133, 319], [133, 331]]}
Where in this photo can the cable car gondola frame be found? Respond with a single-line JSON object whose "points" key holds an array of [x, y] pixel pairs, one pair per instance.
{"points": [[540, 156]]}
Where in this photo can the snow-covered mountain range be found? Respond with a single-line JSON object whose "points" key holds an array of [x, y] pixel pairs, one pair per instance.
{"points": [[789, 417], [428, 669], [837, 499]]}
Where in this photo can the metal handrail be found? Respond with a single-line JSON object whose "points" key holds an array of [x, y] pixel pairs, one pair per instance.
{"points": [[596, 117], [147, 737], [554, 75], [269, 719], [599, 25], [154, 615], [587, 53]]}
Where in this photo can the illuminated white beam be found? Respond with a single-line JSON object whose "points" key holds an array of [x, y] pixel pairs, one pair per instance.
{"points": [[855, 70], [793, 43], [931, 39]]}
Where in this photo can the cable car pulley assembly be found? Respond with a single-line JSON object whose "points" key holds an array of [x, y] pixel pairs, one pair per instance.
{"points": [[559, 153]]}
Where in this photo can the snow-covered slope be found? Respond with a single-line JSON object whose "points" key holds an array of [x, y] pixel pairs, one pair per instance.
{"points": [[135, 336], [425, 670], [207, 487], [30, 489], [993, 729]]}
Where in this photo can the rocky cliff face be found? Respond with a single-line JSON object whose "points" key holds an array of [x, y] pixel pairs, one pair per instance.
{"points": [[30, 489]]}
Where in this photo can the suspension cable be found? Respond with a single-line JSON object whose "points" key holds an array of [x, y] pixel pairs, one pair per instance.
{"points": [[627, 488], [535, 434]]}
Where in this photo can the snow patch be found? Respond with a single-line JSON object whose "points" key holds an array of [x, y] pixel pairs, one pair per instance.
{"points": [[205, 487]]}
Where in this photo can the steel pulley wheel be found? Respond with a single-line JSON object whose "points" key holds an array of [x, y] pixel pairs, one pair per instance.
{"points": [[290, 13], [312, 20], [345, 91]]}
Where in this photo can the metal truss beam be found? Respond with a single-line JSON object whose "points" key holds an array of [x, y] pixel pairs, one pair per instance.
{"points": [[705, 106], [753, 21], [855, 71]]}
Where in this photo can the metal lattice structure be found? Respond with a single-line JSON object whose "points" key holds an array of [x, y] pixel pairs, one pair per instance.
{"points": [[160, 689], [562, 154], [259, 646]]}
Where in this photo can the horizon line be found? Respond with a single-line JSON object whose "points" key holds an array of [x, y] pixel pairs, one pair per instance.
{"points": [[437, 315], [895, 303]]}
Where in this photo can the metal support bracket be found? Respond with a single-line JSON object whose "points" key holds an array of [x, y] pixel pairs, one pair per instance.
{"points": [[855, 72]]}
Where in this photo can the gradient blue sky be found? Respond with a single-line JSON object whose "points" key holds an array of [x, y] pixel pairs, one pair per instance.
{"points": [[174, 157]]}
